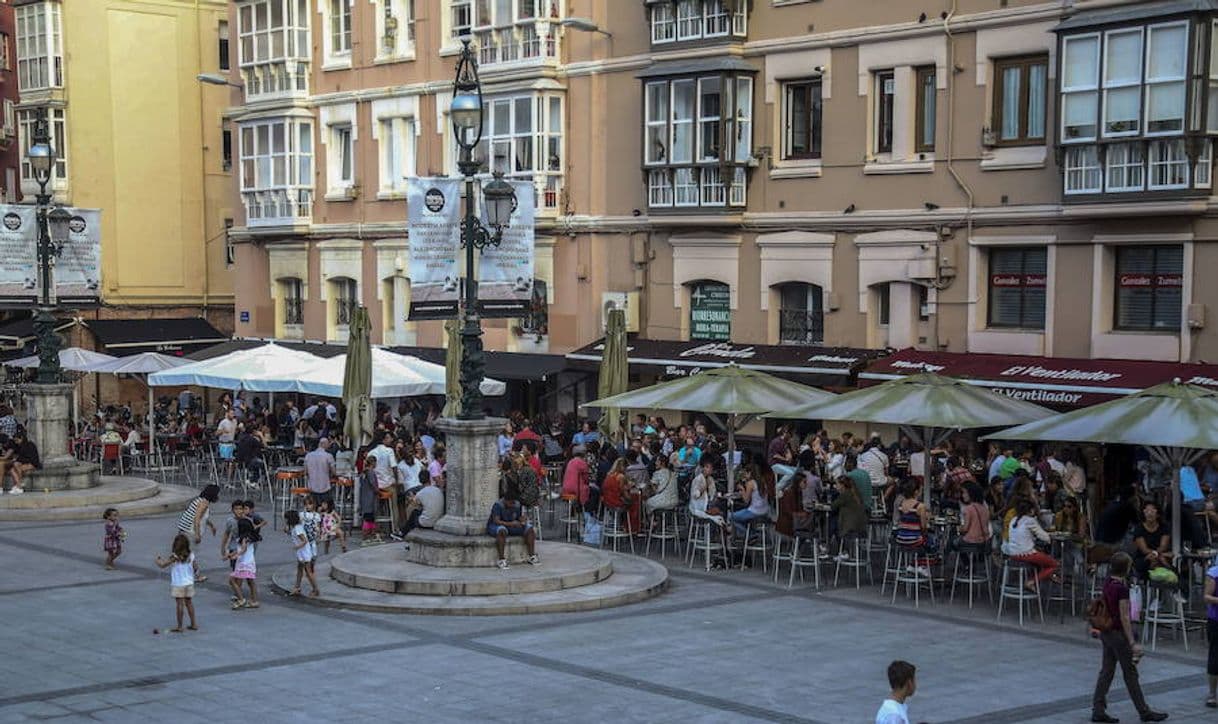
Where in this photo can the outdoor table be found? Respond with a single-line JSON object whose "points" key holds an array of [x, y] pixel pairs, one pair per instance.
{"points": [[1189, 558], [1060, 545]]}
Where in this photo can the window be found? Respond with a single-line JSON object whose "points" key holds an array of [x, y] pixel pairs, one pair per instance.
{"points": [[230, 249], [346, 300], [1082, 170], [1019, 100], [395, 28], [292, 291], [1150, 286], [1166, 59], [883, 299], [1126, 167], [1080, 99], [1017, 286], [341, 158], [5, 58], [397, 146], [702, 128], [802, 120], [801, 318], [523, 138], [885, 94], [462, 20], [340, 26], [507, 31], [277, 170], [226, 150], [924, 111], [39, 46], [274, 47], [1122, 82], [710, 311], [537, 321], [56, 117], [1168, 165], [695, 19], [222, 45]]}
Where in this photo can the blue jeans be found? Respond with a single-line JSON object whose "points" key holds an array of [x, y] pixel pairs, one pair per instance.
{"points": [[740, 520], [784, 474]]}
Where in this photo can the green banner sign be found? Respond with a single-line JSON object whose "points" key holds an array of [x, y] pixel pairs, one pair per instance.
{"points": [[710, 312]]}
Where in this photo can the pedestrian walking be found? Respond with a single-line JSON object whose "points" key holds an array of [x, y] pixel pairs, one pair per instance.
{"points": [[903, 683], [1211, 629], [1110, 616], [181, 565], [112, 543]]}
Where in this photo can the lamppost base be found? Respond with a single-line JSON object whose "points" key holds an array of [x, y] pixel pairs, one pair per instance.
{"points": [[471, 474], [48, 420]]}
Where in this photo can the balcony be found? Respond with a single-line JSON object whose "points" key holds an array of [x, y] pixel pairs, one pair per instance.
{"points": [[527, 42], [278, 207]]}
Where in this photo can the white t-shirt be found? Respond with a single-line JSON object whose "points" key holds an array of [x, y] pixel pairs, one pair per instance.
{"points": [[385, 464], [304, 553], [409, 474], [182, 573], [892, 712], [875, 463], [432, 500]]}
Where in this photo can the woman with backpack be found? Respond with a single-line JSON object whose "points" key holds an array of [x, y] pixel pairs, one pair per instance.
{"points": [[1109, 615]]}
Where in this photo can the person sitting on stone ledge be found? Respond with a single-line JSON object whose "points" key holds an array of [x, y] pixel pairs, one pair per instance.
{"points": [[25, 456], [508, 519]]}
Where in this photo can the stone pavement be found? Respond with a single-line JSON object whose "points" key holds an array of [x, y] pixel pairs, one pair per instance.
{"points": [[77, 644]]}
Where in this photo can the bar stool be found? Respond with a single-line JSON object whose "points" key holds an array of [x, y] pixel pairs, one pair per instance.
{"points": [[779, 557], [286, 478], [665, 517], [572, 520], [856, 560], [613, 529], [386, 496], [1163, 606], [701, 538], [1017, 591], [344, 497], [970, 577], [910, 571], [760, 526], [802, 561]]}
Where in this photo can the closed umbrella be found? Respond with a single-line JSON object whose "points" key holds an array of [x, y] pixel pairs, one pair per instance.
{"points": [[1174, 421], [613, 371], [452, 369], [357, 381], [927, 407], [732, 396]]}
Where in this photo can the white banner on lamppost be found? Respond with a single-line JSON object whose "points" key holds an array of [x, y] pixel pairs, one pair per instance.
{"points": [[78, 268], [505, 272], [18, 255], [433, 217]]}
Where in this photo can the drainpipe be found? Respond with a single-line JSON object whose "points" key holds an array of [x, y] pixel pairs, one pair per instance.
{"points": [[951, 167], [203, 160]]}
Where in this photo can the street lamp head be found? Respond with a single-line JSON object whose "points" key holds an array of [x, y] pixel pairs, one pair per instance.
{"points": [[585, 25], [41, 157], [59, 220], [466, 110], [500, 200]]}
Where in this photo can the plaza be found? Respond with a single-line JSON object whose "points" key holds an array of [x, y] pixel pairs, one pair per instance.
{"points": [[723, 646]]}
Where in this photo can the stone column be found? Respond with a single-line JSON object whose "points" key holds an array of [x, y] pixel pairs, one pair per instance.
{"points": [[471, 475], [48, 417]]}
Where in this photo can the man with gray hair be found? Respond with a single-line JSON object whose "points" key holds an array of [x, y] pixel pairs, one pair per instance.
{"points": [[320, 471]]}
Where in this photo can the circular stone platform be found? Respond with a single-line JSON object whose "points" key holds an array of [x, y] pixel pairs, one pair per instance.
{"points": [[569, 578], [131, 496]]}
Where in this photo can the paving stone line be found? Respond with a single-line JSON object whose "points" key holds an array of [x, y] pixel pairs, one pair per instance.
{"points": [[78, 584]]}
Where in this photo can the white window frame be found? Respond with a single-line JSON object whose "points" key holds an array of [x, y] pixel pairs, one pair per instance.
{"points": [[685, 185], [394, 40], [1120, 85], [547, 121], [274, 60], [1080, 90], [1203, 172], [58, 126], [1083, 170], [691, 121], [1118, 161], [1153, 82], [397, 146], [338, 27], [692, 19], [340, 152], [1168, 162], [39, 45], [715, 11], [663, 20], [656, 128], [295, 192], [705, 117], [460, 10], [659, 187]]}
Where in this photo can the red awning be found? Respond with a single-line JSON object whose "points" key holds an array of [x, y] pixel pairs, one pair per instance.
{"points": [[1049, 381]]}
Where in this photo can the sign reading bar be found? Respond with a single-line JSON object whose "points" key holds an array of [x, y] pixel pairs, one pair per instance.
{"points": [[433, 213], [76, 276], [710, 312], [505, 272]]}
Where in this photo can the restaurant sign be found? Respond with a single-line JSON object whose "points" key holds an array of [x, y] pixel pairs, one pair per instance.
{"points": [[710, 312]]}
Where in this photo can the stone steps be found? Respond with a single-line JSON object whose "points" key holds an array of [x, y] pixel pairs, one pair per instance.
{"points": [[163, 499], [109, 491]]}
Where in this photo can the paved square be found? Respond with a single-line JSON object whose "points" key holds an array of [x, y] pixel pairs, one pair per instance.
{"points": [[78, 645]]}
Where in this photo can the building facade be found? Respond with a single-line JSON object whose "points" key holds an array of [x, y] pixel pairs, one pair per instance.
{"points": [[10, 158], [1029, 179]]}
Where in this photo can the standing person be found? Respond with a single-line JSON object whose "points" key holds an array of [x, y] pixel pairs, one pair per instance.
{"points": [[196, 516], [320, 470], [1211, 629], [331, 526], [181, 564], [1119, 645], [245, 568], [903, 683], [306, 552], [367, 501], [115, 535]]}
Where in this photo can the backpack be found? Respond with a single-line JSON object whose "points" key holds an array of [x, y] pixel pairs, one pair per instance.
{"points": [[1098, 615], [310, 527]]}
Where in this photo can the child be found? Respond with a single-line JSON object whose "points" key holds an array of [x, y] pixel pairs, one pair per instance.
{"points": [[245, 568], [181, 579], [311, 520], [305, 553], [258, 521], [115, 535], [331, 526], [368, 491]]}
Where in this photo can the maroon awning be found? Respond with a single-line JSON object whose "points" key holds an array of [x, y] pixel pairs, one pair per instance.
{"points": [[1051, 381]]}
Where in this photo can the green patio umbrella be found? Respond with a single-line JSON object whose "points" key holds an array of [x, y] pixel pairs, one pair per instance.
{"points": [[731, 396], [452, 369], [613, 371], [1174, 421], [357, 381], [927, 407]]}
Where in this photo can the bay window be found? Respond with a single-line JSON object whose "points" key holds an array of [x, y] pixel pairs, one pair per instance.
{"points": [[57, 122], [1149, 287], [522, 138], [679, 20], [277, 170], [1017, 285], [274, 47], [698, 140], [509, 31], [39, 46]]}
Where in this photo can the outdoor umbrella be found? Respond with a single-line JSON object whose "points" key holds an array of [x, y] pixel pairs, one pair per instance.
{"points": [[732, 396], [144, 364], [357, 381], [1173, 421], [612, 378], [926, 406], [452, 369], [73, 359], [269, 368]]}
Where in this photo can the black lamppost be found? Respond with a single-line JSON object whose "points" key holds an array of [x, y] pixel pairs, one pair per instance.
{"points": [[52, 234], [500, 199]]}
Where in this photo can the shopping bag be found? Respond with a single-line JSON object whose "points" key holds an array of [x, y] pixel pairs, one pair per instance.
{"points": [[1135, 604], [592, 530]]}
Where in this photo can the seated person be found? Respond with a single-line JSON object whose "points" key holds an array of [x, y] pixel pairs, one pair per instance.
{"points": [[1025, 530], [974, 517], [752, 496], [849, 515], [616, 493], [702, 492], [1152, 541], [912, 516], [508, 518], [25, 457]]}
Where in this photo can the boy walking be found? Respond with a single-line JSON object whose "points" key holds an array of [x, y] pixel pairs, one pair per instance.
{"points": [[895, 709]]}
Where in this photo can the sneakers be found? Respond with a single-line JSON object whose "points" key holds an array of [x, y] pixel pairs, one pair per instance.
{"points": [[842, 557], [396, 536], [534, 560], [15, 491], [503, 566]]}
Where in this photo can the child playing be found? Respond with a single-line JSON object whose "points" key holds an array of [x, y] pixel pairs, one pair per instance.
{"points": [[305, 553], [311, 520], [368, 491], [258, 521], [331, 526], [115, 535], [245, 568], [181, 579]]}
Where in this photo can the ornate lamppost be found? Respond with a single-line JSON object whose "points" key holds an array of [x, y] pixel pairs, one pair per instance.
{"points": [[467, 118], [52, 234]]}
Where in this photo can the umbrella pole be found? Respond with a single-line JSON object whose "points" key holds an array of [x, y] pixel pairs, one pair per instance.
{"points": [[731, 451], [151, 426]]}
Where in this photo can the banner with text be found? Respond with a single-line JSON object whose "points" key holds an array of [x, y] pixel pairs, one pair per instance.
{"points": [[505, 272], [433, 213], [77, 272]]}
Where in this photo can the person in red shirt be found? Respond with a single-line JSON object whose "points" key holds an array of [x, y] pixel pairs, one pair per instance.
{"points": [[575, 479], [1119, 646], [530, 453], [616, 493]]}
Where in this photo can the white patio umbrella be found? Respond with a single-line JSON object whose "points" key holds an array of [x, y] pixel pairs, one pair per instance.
{"points": [[393, 375], [145, 363], [269, 368], [73, 359]]}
